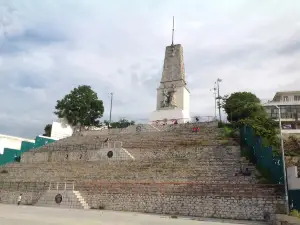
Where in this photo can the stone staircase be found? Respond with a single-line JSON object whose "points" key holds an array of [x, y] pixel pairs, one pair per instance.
{"points": [[70, 198], [165, 169], [81, 200]]}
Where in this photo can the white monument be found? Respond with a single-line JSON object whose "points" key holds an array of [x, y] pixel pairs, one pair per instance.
{"points": [[173, 97]]}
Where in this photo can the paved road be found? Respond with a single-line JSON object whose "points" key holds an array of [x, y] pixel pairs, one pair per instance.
{"points": [[31, 215]]}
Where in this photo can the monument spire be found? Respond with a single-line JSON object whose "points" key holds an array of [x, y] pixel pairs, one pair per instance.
{"points": [[173, 33]]}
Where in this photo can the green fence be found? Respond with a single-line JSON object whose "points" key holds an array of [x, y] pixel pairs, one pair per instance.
{"points": [[294, 199], [9, 155], [269, 164]]}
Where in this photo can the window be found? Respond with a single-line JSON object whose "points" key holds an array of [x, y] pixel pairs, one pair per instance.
{"points": [[277, 99], [285, 98], [268, 109], [297, 98]]}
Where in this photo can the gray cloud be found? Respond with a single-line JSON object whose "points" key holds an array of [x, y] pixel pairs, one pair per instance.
{"points": [[291, 47], [117, 47]]}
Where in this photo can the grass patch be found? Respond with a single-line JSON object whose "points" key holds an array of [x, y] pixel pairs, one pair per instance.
{"points": [[223, 142], [295, 213]]}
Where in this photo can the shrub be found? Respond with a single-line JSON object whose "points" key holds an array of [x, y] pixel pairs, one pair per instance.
{"points": [[4, 171], [230, 132], [295, 213], [221, 124]]}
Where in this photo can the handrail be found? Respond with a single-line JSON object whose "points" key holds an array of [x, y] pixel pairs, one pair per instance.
{"points": [[65, 186]]}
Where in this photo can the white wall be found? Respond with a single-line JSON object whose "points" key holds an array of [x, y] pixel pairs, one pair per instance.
{"points": [[293, 179], [186, 99], [7, 141], [61, 130], [291, 131]]}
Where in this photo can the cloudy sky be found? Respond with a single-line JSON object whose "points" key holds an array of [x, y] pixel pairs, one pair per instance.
{"points": [[49, 47]]}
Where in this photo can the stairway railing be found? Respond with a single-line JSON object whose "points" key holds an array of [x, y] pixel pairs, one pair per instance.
{"points": [[69, 185]]}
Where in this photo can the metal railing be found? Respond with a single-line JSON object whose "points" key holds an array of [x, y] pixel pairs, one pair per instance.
{"points": [[195, 119], [144, 125], [62, 186]]}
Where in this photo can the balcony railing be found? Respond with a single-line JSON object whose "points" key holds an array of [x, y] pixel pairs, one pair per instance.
{"points": [[285, 116], [273, 103]]}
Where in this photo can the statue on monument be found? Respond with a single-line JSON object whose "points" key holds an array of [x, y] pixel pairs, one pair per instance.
{"points": [[169, 98], [165, 101], [173, 96]]}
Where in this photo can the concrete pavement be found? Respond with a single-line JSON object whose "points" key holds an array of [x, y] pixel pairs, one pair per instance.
{"points": [[32, 215]]}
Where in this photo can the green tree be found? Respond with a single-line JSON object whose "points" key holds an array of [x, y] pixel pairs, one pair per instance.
{"points": [[80, 107], [47, 130], [122, 123], [241, 105], [244, 108]]}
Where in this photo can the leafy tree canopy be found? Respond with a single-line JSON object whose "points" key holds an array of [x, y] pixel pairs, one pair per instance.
{"points": [[122, 123], [47, 130], [80, 107], [241, 105], [264, 127], [244, 108]]}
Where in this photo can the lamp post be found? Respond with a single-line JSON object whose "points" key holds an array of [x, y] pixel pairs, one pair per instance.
{"points": [[283, 162], [219, 98]]}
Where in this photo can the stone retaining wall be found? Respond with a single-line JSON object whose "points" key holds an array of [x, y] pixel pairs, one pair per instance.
{"points": [[123, 154], [186, 199], [11, 197], [200, 206]]}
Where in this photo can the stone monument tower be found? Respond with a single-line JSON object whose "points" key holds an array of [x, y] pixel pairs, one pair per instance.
{"points": [[173, 97]]}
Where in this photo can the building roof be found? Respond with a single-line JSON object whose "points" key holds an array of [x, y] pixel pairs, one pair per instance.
{"points": [[280, 93], [16, 138]]}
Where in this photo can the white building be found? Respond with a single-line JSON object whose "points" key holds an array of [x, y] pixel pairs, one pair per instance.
{"points": [[12, 142], [61, 129], [289, 103]]}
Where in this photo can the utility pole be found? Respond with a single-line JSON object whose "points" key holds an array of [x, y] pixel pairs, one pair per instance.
{"points": [[219, 98], [111, 101], [283, 163], [215, 98]]}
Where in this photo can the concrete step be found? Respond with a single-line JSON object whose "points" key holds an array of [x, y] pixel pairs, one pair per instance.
{"points": [[69, 199], [81, 199]]}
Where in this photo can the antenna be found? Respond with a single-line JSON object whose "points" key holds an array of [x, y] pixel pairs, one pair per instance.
{"points": [[173, 33]]}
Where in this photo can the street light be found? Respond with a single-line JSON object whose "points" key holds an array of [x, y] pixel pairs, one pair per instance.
{"points": [[215, 97], [283, 162], [219, 98]]}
